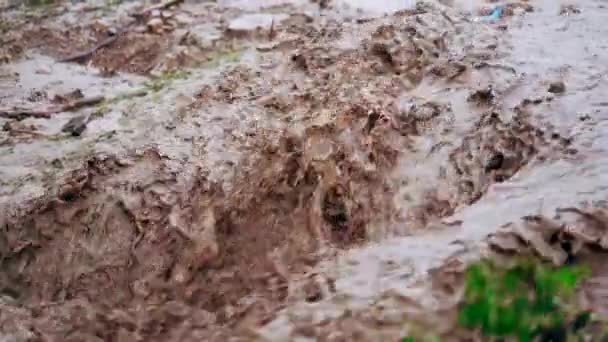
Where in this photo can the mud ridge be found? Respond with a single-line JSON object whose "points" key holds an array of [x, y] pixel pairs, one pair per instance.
{"points": [[126, 234]]}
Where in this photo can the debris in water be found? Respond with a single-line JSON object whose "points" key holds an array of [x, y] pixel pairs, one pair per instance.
{"points": [[557, 87], [23, 113], [569, 9], [82, 56], [483, 96], [495, 162], [496, 14], [75, 126], [67, 97]]}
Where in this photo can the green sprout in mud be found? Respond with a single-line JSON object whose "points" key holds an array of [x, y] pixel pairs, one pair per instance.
{"points": [[110, 6], [38, 8], [165, 79], [157, 83], [429, 338], [5, 26], [221, 57], [154, 85], [40, 3], [528, 301]]}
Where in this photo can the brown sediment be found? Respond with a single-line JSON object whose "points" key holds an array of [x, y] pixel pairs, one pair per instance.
{"points": [[347, 133], [163, 246]]}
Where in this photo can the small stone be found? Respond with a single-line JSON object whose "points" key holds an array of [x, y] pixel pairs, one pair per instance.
{"points": [[557, 87]]}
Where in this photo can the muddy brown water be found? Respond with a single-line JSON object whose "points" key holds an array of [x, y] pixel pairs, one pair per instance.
{"points": [[313, 178]]}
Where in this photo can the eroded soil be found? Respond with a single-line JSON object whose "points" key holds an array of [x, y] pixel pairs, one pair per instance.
{"points": [[276, 170]]}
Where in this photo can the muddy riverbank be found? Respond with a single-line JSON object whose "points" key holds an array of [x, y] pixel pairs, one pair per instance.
{"points": [[285, 170]]}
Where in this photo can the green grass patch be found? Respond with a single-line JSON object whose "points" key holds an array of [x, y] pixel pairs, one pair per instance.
{"points": [[152, 86], [5, 27], [110, 6], [527, 301], [40, 3], [219, 58], [157, 83]]}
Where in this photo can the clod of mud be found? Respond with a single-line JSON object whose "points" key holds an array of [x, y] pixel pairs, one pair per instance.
{"points": [[482, 97], [572, 236]]}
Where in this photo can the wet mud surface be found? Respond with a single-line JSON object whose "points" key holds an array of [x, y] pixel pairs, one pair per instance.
{"points": [[281, 170]]}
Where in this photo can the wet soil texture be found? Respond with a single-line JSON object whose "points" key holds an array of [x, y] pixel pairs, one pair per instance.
{"points": [[277, 170]]}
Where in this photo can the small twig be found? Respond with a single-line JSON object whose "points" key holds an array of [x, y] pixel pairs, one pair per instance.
{"points": [[23, 113], [86, 54], [497, 66], [25, 131], [85, 102]]}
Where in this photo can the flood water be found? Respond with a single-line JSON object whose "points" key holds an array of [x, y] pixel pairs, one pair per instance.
{"points": [[284, 170]]}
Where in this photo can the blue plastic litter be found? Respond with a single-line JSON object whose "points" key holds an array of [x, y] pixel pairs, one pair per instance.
{"points": [[496, 13]]}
